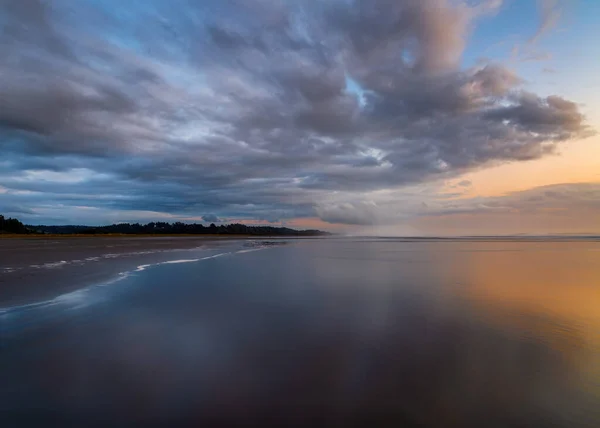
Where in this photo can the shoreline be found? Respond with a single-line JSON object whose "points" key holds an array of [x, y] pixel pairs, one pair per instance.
{"points": [[146, 235], [87, 294], [39, 270]]}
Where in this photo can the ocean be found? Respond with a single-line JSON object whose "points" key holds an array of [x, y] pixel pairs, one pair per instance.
{"points": [[314, 332]]}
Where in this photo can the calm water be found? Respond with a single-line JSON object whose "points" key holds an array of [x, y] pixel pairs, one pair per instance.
{"points": [[320, 333]]}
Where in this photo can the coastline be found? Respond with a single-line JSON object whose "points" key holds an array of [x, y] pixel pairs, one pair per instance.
{"points": [[33, 270], [137, 235]]}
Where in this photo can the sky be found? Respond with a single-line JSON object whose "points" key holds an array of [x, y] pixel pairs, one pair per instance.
{"points": [[386, 117]]}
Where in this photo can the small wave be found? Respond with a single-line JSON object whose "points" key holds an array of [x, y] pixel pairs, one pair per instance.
{"points": [[261, 243], [215, 256], [250, 250], [107, 256], [111, 256], [51, 265], [8, 310], [83, 297], [173, 262], [141, 268]]}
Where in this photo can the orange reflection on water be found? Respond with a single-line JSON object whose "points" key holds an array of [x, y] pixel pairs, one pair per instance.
{"points": [[558, 279], [546, 292]]}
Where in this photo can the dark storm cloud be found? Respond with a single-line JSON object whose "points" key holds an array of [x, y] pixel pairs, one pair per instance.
{"points": [[244, 109]]}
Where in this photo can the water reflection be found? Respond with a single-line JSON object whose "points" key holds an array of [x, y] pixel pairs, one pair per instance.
{"points": [[329, 333]]}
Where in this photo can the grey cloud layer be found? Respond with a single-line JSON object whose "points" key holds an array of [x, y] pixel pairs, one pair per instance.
{"points": [[574, 202], [242, 108]]}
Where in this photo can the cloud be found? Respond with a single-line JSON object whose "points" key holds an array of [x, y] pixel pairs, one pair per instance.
{"points": [[559, 208], [357, 213], [536, 56], [572, 197], [553, 117], [211, 218], [542, 209], [550, 14], [243, 109]]}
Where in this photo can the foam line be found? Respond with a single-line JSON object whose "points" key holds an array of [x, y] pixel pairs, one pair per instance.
{"points": [[79, 296]]}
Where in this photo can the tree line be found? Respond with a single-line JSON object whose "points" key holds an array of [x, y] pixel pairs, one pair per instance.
{"points": [[12, 225], [162, 228]]}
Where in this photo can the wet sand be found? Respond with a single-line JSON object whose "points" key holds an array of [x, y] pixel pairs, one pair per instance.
{"points": [[335, 333], [33, 269]]}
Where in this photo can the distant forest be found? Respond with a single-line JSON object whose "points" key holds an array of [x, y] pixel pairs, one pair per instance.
{"points": [[12, 225], [155, 228]]}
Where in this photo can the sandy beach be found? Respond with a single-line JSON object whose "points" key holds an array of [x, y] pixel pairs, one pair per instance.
{"points": [[33, 269]]}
